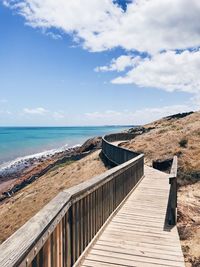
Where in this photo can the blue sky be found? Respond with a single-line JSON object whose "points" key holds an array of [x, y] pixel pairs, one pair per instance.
{"points": [[51, 76]]}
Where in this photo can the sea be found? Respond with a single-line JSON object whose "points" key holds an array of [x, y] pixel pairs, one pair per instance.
{"points": [[20, 143]]}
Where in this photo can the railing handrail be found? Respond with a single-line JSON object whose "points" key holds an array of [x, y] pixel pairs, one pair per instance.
{"points": [[25, 243], [129, 137], [174, 167], [109, 149], [118, 137], [97, 181]]}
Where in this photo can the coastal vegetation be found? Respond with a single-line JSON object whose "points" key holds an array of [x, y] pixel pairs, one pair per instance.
{"points": [[183, 142]]}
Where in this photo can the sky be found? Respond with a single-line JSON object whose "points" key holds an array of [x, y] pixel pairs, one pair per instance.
{"points": [[97, 62]]}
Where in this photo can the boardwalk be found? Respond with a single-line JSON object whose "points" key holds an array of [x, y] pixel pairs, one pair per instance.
{"points": [[114, 219], [137, 234]]}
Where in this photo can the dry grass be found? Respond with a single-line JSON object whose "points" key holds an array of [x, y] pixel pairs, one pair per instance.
{"points": [[172, 137], [27, 202]]}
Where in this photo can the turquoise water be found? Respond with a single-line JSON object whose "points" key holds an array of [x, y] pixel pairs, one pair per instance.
{"points": [[18, 142]]}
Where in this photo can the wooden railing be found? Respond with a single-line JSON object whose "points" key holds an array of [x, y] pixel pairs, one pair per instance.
{"points": [[114, 154], [59, 233], [172, 205]]}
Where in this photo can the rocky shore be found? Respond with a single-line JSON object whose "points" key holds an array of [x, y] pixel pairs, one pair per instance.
{"points": [[27, 170]]}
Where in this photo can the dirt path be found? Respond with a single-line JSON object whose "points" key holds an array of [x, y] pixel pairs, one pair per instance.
{"points": [[22, 206]]}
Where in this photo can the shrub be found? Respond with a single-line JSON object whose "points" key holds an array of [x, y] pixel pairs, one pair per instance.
{"points": [[162, 131], [183, 142]]}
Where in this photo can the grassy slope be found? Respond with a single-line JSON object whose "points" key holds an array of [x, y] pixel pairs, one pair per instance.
{"points": [[28, 201], [164, 141]]}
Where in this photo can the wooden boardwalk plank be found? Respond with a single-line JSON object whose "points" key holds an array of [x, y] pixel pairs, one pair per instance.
{"points": [[142, 230], [114, 257], [140, 247], [137, 235], [141, 238], [134, 251]]}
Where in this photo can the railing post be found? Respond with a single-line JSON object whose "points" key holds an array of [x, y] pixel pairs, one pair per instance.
{"points": [[172, 219], [173, 201], [68, 239]]}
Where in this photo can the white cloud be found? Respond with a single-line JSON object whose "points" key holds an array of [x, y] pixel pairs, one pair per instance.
{"points": [[5, 112], [120, 63], [35, 111], [84, 18], [3, 101], [141, 116], [103, 115], [169, 71], [58, 115], [150, 26], [196, 100], [54, 36], [145, 26], [150, 114]]}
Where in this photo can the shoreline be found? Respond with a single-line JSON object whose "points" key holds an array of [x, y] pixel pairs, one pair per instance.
{"points": [[12, 166], [17, 174]]}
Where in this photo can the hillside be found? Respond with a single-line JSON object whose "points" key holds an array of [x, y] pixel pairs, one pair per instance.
{"points": [[178, 135], [19, 208]]}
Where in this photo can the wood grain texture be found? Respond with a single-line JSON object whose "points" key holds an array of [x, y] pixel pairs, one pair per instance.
{"points": [[138, 234]]}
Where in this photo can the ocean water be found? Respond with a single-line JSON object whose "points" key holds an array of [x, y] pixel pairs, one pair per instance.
{"points": [[18, 142]]}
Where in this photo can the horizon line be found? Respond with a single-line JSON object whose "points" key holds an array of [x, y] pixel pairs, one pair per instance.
{"points": [[59, 126]]}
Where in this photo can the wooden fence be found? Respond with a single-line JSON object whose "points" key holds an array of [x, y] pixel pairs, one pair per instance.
{"points": [[59, 233], [114, 154]]}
